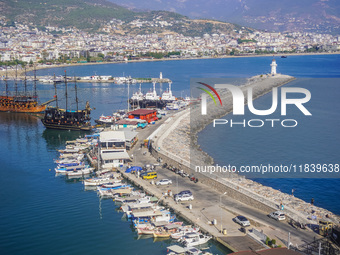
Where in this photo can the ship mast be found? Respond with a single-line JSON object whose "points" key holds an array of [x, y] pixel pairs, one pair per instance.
{"points": [[35, 83], [25, 83], [75, 87], [55, 92], [128, 96], [66, 90], [16, 81], [6, 82]]}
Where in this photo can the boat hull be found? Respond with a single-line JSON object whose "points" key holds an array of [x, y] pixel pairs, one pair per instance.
{"points": [[66, 126], [20, 104]]}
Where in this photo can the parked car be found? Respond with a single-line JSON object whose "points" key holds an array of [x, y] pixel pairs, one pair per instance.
{"points": [[164, 182], [243, 221], [278, 215], [184, 197], [149, 176], [185, 192]]}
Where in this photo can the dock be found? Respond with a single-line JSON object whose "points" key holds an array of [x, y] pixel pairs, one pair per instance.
{"points": [[92, 79]]}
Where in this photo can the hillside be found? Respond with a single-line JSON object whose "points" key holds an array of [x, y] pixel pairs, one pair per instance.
{"points": [[101, 15], [286, 15]]}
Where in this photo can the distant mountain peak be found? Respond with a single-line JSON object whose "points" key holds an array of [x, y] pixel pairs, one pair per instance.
{"points": [[291, 15]]}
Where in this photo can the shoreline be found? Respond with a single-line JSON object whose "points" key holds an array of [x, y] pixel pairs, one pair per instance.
{"points": [[41, 67]]}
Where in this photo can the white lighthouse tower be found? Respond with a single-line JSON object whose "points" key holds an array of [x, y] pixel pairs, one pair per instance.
{"points": [[273, 65]]}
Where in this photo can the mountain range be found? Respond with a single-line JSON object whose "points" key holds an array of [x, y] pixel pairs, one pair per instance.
{"points": [[274, 15], [93, 15]]}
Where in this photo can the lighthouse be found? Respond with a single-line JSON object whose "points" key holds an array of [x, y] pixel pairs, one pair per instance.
{"points": [[273, 66]]}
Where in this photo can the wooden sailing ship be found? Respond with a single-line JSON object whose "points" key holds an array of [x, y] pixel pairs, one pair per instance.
{"points": [[21, 102], [57, 118]]}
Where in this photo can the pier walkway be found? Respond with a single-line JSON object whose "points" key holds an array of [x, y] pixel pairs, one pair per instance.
{"points": [[210, 204]]}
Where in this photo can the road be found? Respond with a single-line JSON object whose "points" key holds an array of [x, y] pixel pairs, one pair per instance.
{"points": [[207, 201]]}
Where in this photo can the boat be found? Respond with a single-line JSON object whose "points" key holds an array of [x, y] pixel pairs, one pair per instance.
{"points": [[183, 230], [167, 95], [283, 56], [100, 181], [148, 230], [57, 118], [178, 250], [70, 168], [150, 100], [172, 106], [24, 103], [136, 97], [161, 233], [106, 120], [194, 239], [81, 172]]}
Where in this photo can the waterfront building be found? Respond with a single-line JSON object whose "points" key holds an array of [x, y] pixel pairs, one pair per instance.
{"points": [[113, 149]]}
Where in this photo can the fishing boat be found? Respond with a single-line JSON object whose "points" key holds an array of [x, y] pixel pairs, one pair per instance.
{"points": [[57, 118], [81, 172], [100, 181], [70, 168], [161, 233]]}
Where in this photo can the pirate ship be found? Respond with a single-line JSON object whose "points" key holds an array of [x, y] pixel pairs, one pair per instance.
{"points": [[57, 118], [23, 101]]}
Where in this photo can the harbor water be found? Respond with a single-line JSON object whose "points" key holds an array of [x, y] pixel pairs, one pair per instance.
{"points": [[42, 213]]}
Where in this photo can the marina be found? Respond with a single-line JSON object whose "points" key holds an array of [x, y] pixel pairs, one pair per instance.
{"points": [[206, 223]]}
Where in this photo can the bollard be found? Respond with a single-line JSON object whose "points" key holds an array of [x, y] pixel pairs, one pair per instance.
{"points": [[224, 231], [190, 206]]}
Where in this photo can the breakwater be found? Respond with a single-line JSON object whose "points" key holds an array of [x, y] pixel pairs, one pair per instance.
{"points": [[178, 146]]}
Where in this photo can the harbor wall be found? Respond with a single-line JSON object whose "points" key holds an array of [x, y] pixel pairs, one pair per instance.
{"points": [[220, 182]]}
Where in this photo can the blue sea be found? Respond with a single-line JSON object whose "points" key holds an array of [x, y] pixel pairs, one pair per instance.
{"points": [[42, 213]]}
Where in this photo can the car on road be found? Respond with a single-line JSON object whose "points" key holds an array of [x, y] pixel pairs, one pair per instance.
{"points": [[184, 197], [243, 221], [278, 215], [164, 182]]}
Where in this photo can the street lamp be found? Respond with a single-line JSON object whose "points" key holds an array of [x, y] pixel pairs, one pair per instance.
{"points": [[177, 183], [221, 207]]}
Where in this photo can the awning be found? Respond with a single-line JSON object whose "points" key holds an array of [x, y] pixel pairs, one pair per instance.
{"points": [[147, 214], [115, 155]]}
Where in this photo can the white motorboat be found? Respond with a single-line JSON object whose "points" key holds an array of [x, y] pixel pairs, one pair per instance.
{"points": [[100, 181], [82, 172], [70, 168], [194, 239], [183, 230]]}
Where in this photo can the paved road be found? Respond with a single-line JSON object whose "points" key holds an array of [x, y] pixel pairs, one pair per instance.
{"points": [[206, 198]]}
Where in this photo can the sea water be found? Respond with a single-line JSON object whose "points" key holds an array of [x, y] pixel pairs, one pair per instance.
{"points": [[42, 213]]}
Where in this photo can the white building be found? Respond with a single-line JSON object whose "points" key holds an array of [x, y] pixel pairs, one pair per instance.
{"points": [[113, 149]]}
